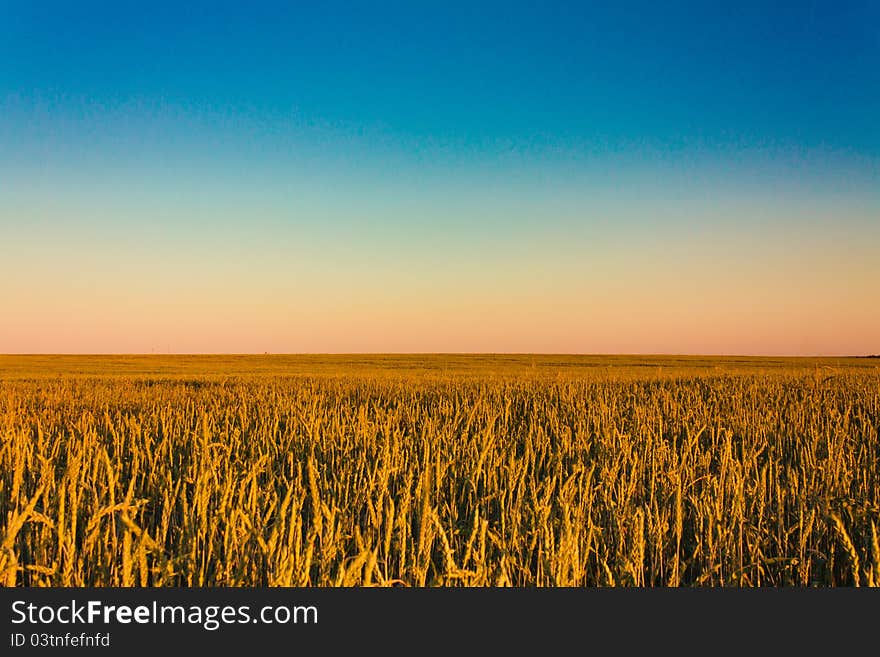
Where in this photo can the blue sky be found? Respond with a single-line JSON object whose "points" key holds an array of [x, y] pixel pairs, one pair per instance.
{"points": [[498, 138]]}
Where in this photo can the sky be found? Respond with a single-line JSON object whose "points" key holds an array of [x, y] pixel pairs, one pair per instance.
{"points": [[219, 177]]}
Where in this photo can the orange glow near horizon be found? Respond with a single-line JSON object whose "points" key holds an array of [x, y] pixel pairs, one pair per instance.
{"points": [[564, 306]]}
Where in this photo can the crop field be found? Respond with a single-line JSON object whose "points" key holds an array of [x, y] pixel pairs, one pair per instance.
{"points": [[439, 471]]}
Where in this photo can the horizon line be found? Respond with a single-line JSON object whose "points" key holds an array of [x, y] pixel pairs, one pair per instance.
{"points": [[448, 353]]}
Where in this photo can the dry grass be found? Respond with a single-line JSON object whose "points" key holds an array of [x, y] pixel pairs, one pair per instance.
{"points": [[438, 471]]}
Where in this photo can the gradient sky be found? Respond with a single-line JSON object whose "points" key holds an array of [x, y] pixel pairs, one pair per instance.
{"points": [[444, 177]]}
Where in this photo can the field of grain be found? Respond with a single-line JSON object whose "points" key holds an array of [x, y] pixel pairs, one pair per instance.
{"points": [[439, 471]]}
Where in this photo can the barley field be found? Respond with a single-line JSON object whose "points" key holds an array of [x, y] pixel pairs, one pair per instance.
{"points": [[439, 471]]}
